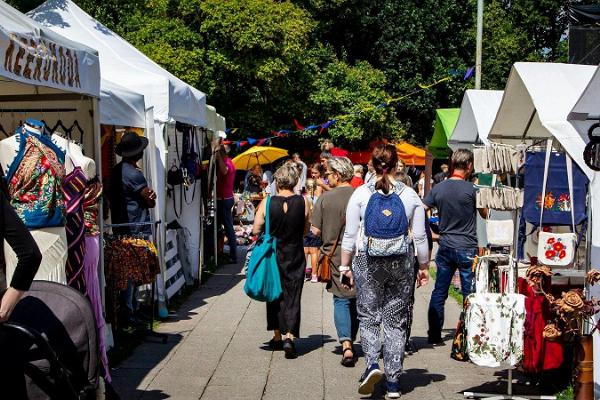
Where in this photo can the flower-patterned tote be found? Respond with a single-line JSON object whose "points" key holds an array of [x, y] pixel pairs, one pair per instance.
{"points": [[557, 249], [495, 323]]}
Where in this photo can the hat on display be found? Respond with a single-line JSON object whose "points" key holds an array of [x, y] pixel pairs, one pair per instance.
{"points": [[131, 144]]}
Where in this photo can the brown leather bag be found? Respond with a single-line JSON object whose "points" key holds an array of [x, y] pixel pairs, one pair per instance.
{"points": [[325, 262]]}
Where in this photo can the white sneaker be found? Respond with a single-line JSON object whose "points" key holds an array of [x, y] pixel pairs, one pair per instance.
{"points": [[369, 379]]}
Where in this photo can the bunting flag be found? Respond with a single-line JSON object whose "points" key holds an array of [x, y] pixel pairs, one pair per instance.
{"points": [[332, 121]]}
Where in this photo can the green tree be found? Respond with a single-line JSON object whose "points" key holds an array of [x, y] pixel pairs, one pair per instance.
{"points": [[351, 95]]}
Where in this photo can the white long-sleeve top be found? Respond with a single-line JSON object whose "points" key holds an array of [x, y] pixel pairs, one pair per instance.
{"points": [[415, 212]]}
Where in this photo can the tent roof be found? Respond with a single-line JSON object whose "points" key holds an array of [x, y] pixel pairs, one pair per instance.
{"points": [[587, 107], [172, 99], [477, 113], [445, 121], [536, 102], [411, 155], [120, 106], [78, 69]]}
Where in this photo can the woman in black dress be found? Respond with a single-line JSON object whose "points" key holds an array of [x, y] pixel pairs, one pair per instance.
{"points": [[289, 215]]}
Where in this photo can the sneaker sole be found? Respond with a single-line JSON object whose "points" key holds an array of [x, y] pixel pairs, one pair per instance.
{"points": [[368, 385], [393, 395]]}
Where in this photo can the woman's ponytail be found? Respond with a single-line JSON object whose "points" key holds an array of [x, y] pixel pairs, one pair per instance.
{"points": [[384, 159]]}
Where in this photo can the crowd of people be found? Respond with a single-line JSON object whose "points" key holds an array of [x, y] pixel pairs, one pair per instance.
{"points": [[331, 210]]}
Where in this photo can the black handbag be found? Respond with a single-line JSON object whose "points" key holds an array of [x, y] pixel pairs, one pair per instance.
{"points": [[176, 176], [591, 154]]}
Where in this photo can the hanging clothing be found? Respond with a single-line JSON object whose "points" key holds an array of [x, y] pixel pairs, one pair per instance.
{"points": [[73, 190], [35, 179], [91, 206], [90, 270], [288, 228]]}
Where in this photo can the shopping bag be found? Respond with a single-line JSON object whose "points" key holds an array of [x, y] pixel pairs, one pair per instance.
{"points": [[556, 249], [557, 202], [500, 232], [263, 282], [459, 344]]}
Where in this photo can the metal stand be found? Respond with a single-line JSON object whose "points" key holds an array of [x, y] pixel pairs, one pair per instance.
{"points": [[148, 332]]}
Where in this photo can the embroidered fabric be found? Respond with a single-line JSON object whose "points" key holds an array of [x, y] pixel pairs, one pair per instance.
{"points": [[91, 206], [35, 179], [73, 190]]}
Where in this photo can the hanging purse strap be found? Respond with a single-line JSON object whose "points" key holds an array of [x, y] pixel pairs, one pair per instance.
{"points": [[569, 162], [546, 168], [268, 216]]}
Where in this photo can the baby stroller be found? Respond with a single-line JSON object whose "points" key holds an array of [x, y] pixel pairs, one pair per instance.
{"points": [[54, 325]]}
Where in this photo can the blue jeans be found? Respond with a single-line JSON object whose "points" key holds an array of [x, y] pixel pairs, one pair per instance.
{"points": [[225, 218], [447, 261], [345, 318]]}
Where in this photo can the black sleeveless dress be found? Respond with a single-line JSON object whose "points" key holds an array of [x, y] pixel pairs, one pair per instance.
{"points": [[288, 228]]}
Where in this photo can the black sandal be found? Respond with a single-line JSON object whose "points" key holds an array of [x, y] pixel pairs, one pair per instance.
{"points": [[276, 345], [348, 361]]}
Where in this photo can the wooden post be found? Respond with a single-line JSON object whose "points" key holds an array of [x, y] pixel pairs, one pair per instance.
{"points": [[584, 383], [428, 170]]}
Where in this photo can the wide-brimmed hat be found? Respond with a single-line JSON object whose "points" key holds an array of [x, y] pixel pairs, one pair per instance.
{"points": [[131, 145]]}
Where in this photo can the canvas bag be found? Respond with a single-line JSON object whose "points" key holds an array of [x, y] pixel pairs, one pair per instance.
{"points": [[557, 249], [494, 322], [263, 282], [385, 224], [537, 166]]}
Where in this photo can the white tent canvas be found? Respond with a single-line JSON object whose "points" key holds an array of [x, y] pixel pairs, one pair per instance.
{"points": [[120, 106], [477, 113], [172, 99], [39, 58]]}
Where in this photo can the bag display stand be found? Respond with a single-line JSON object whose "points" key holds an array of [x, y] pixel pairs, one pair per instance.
{"points": [[148, 332], [509, 392]]}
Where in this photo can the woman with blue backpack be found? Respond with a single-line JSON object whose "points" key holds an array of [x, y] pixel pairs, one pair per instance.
{"points": [[385, 224]]}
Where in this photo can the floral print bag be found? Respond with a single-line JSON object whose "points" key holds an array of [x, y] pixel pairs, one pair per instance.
{"points": [[557, 249], [495, 323]]}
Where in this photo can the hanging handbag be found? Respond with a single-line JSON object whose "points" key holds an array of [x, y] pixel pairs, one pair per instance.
{"points": [[499, 232], [548, 170], [325, 262], [494, 323], [263, 282], [557, 249]]}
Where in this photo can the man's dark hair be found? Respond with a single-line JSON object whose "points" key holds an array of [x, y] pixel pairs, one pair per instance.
{"points": [[462, 159], [326, 154]]}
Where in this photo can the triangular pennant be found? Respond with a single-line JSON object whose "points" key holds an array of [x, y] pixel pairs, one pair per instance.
{"points": [[298, 126]]}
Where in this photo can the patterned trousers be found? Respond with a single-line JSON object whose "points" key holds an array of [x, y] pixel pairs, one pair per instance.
{"points": [[384, 297]]}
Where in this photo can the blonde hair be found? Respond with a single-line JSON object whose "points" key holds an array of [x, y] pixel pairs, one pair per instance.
{"points": [[286, 176]]}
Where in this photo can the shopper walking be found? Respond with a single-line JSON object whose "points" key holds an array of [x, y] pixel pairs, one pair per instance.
{"points": [[289, 222], [304, 174], [454, 199], [312, 242], [357, 179], [384, 283], [328, 219], [225, 182]]}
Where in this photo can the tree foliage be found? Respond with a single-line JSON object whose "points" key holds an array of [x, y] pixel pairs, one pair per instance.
{"points": [[264, 63]]}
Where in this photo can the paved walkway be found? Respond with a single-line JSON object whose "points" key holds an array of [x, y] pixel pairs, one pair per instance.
{"points": [[217, 350]]}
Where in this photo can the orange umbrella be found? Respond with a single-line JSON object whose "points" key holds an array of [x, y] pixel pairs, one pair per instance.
{"points": [[411, 155]]}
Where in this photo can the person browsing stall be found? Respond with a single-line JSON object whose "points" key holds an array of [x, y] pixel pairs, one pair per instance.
{"points": [[454, 199], [225, 183], [131, 196]]}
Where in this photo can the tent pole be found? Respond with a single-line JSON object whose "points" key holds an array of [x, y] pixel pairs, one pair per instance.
{"points": [[478, 51]]}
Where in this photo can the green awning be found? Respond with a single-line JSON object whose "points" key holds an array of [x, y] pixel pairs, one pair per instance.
{"points": [[445, 121]]}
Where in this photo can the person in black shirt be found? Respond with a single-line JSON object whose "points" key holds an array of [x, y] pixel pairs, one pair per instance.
{"points": [[12, 229], [442, 175]]}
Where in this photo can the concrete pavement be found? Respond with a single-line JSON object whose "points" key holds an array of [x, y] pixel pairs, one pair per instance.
{"points": [[217, 349]]}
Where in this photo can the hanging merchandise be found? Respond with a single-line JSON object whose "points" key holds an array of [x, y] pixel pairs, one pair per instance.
{"points": [[502, 198], [547, 170], [591, 154], [499, 232], [495, 322], [496, 158], [557, 249]]}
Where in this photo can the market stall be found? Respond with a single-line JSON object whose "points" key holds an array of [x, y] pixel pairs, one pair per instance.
{"points": [[477, 113], [584, 114], [445, 121], [532, 118], [177, 107]]}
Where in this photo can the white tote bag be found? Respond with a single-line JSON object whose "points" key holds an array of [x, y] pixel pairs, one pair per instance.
{"points": [[557, 249], [495, 323]]}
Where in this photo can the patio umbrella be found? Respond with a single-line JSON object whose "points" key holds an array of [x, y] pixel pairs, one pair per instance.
{"points": [[258, 155]]}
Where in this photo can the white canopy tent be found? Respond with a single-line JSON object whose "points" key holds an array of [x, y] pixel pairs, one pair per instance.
{"points": [[477, 113], [585, 113], [120, 106], [172, 99]]}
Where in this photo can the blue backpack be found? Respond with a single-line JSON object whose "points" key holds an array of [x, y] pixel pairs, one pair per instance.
{"points": [[385, 224], [263, 282]]}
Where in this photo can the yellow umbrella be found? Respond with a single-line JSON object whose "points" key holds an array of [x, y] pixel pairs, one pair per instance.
{"points": [[258, 155]]}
